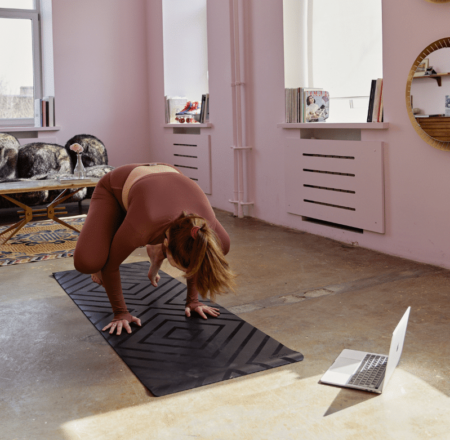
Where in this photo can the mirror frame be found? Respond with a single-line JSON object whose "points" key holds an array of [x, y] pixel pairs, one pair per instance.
{"points": [[438, 1], [438, 44]]}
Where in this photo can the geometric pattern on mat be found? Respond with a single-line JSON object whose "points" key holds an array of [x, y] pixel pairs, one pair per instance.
{"points": [[170, 352], [37, 241]]}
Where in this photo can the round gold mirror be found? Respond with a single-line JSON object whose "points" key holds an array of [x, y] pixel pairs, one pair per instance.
{"points": [[428, 94]]}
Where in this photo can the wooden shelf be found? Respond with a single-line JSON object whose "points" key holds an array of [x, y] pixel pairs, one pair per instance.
{"points": [[438, 127], [342, 125], [18, 129], [437, 77], [204, 125]]}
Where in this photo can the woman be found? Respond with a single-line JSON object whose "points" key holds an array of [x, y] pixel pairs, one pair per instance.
{"points": [[153, 205]]}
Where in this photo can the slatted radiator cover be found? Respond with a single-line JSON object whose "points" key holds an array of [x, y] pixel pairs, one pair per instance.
{"points": [[192, 155], [336, 181]]}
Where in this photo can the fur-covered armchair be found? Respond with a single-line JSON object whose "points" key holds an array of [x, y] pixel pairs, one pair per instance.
{"points": [[42, 161]]}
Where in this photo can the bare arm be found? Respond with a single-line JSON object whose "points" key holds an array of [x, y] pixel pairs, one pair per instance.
{"points": [[125, 241]]}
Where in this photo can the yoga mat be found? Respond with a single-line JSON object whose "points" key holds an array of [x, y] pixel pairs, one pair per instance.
{"points": [[170, 352]]}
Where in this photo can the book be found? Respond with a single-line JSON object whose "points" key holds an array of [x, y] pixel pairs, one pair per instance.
{"points": [[371, 99], [380, 104], [304, 97], [175, 106], [166, 110], [207, 108], [376, 103], [44, 113], [316, 104], [50, 100], [381, 112], [202, 111], [37, 113]]}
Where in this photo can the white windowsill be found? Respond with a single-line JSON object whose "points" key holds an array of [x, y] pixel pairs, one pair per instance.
{"points": [[24, 129], [345, 125], [204, 125]]}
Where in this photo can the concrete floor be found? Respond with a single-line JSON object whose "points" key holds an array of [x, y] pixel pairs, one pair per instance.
{"points": [[60, 380]]}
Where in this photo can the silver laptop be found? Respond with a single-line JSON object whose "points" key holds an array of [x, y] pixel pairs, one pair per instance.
{"points": [[368, 371]]}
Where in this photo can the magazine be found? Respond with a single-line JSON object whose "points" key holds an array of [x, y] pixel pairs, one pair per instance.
{"points": [[316, 104]]}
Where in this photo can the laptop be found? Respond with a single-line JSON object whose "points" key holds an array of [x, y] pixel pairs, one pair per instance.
{"points": [[368, 371]]}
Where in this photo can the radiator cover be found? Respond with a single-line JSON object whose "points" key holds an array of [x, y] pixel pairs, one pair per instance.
{"points": [[336, 181], [191, 154]]}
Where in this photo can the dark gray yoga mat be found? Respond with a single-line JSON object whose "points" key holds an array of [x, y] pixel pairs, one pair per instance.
{"points": [[172, 353]]}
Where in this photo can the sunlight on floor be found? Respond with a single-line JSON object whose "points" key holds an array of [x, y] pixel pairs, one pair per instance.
{"points": [[276, 405]]}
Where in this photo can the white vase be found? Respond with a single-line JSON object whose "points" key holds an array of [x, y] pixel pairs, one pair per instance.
{"points": [[79, 172]]}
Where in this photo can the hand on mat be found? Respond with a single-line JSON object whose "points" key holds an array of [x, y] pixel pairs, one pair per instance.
{"points": [[201, 310], [120, 324], [156, 258]]}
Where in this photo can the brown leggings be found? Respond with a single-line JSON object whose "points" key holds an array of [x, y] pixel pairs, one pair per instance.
{"points": [[106, 214]]}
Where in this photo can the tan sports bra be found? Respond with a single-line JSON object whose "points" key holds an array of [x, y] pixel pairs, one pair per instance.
{"points": [[140, 172]]}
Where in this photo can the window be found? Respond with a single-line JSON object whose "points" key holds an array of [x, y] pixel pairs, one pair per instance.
{"points": [[185, 53], [337, 46], [21, 60]]}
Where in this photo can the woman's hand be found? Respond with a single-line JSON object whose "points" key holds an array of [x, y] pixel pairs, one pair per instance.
{"points": [[156, 255], [201, 310], [120, 324]]}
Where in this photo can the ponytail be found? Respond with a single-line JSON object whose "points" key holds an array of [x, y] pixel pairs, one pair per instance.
{"points": [[196, 247]]}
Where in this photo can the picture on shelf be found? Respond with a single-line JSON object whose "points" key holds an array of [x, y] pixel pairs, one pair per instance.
{"points": [[422, 67], [317, 105], [174, 106]]}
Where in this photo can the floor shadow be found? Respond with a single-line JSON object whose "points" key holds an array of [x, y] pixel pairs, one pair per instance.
{"points": [[348, 398]]}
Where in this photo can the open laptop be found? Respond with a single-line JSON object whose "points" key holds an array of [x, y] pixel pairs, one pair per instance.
{"points": [[368, 371]]}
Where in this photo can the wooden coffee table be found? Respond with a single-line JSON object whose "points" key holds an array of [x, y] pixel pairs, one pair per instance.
{"points": [[52, 209]]}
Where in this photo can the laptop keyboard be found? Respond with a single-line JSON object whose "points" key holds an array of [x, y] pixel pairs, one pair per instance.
{"points": [[371, 372]]}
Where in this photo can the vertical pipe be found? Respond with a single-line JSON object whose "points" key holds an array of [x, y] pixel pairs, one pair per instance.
{"points": [[233, 99], [238, 104]]}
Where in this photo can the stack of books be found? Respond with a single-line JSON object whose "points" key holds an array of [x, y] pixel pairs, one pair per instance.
{"points": [[44, 112], [375, 112], [307, 105]]}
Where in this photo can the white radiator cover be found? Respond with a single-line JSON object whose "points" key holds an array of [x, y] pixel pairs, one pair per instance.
{"points": [[191, 154], [336, 181]]}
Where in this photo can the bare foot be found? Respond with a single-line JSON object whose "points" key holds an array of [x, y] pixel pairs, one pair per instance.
{"points": [[97, 278], [156, 258]]}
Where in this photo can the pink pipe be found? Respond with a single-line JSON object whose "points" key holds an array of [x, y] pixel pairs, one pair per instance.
{"points": [[237, 54], [233, 96]]}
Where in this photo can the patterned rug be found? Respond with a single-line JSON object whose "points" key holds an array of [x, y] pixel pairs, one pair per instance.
{"points": [[37, 241]]}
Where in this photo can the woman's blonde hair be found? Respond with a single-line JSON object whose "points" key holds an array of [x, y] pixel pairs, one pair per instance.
{"points": [[201, 256]]}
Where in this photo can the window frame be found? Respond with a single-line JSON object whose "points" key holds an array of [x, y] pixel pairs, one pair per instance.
{"points": [[35, 16]]}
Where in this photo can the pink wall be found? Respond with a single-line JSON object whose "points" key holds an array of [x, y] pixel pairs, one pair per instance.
{"points": [[416, 175], [101, 75]]}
